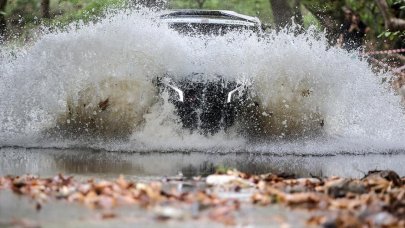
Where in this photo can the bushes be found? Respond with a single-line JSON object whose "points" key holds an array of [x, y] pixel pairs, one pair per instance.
{"points": [[24, 15]]}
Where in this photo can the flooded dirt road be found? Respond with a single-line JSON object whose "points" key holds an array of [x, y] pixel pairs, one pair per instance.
{"points": [[174, 171], [144, 167]]}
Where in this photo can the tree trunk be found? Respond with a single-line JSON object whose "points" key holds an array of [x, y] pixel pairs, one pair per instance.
{"points": [[297, 12], [283, 13], [392, 23], [45, 9], [200, 3], [330, 20], [3, 22]]}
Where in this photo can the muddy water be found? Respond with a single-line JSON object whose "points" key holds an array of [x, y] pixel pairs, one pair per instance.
{"points": [[56, 214], [97, 79], [105, 164]]}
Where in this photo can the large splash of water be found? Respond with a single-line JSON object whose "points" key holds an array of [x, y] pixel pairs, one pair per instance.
{"points": [[97, 79]]}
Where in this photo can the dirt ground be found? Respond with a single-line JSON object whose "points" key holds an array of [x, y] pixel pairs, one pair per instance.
{"points": [[227, 198]]}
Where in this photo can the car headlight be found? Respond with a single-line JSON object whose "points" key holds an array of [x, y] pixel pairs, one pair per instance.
{"points": [[179, 92], [168, 82], [230, 94]]}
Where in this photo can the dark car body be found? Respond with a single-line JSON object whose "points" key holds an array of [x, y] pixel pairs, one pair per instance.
{"points": [[207, 106]]}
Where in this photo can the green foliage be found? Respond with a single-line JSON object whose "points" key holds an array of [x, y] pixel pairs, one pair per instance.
{"points": [[23, 15], [371, 15], [392, 35], [19, 10], [400, 3], [84, 10], [26, 12], [222, 169], [309, 19]]}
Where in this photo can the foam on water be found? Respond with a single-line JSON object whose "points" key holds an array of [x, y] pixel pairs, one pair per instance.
{"points": [[61, 80]]}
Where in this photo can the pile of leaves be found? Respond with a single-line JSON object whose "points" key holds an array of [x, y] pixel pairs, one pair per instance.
{"points": [[378, 199], [105, 195]]}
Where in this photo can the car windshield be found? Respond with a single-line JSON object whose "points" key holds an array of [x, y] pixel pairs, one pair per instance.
{"points": [[209, 29]]}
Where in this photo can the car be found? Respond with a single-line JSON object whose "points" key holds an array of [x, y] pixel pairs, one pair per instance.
{"points": [[206, 106]]}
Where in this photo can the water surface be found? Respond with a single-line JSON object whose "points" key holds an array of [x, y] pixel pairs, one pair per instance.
{"points": [[106, 164]]}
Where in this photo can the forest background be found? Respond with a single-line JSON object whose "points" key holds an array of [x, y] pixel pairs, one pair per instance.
{"points": [[385, 19]]}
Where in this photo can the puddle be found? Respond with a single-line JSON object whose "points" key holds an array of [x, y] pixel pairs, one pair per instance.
{"points": [[13, 208], [103, 164]]}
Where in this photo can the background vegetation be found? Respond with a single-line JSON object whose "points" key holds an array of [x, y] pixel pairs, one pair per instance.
{"points": [[385, 18], [21, 16]]}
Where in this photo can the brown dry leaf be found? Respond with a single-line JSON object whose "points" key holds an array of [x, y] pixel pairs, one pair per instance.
{"points": [[38, 206], [376, 200], [101, 186], [76, 197], [302, 198], [349, 204], [103, 105], [84, 188], [90, 199], [316, 220], [125, 199], [122, 182], [223, 215], [105, 202], [24, 223], [108, 215], [347, 220], [388, 175], [261, 199]]}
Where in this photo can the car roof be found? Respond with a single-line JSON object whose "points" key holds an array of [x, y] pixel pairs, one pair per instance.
{"points": [[209, 17]]}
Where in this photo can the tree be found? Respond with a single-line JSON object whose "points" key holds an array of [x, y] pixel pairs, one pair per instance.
{"points": [[329, 15], [391, 22], [200, 3], [3, 22], [283, 12], [377, 14], [45, 9], [296, 7]]}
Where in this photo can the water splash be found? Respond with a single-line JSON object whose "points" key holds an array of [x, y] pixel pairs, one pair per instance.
{"points": [[97, 78]]}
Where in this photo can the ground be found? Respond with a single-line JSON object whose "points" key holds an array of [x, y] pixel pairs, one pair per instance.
{"points": [[88, 195]]}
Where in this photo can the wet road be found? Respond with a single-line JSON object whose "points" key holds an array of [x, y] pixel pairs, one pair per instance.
{"points": [[84, 163]]}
